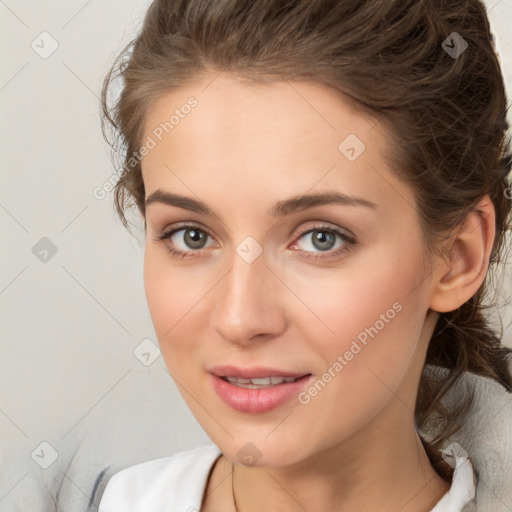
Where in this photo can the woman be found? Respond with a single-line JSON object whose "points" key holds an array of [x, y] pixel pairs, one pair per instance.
{"points": [[324, 188]]}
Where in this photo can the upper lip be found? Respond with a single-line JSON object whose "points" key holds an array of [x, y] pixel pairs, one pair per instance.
{"points": [[256, 372]]}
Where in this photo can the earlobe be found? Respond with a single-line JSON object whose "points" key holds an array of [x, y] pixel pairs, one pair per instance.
{"points": [[463, 269]]}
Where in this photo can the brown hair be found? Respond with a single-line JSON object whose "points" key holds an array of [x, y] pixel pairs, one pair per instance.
{"points": [[446, 114]]}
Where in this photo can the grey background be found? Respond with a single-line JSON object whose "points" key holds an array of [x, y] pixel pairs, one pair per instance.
{"points": [[70, 325]]}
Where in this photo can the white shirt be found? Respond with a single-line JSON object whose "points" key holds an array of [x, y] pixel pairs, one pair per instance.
{"points": [[177, 484]]}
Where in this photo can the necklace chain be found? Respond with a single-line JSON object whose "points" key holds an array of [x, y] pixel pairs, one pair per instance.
{"points": [[233, 486]]}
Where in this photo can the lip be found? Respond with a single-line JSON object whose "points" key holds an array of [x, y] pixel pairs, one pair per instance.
{"points": [[257, 401], [256, 372]]}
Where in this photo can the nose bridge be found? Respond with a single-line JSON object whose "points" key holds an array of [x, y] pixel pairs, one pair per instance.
{"points": [[247, 302]]}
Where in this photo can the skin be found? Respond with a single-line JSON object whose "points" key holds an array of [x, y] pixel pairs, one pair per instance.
{"points": [[242, 149]]}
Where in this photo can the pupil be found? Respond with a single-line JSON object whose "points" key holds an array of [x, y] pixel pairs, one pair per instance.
{"points": [[195, 238], [323, 240]]}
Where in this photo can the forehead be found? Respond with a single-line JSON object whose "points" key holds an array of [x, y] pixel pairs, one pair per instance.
{"points": [[264, 141], [225, 103]]}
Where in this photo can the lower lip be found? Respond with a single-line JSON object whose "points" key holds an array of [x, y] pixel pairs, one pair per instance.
{"points": [[255, 401]]}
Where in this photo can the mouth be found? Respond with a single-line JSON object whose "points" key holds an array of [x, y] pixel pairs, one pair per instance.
{"points": [[261, 383], [257, 375], [257, 390]]}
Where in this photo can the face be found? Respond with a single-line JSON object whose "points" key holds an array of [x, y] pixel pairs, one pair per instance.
{"points": [[246, 270]]}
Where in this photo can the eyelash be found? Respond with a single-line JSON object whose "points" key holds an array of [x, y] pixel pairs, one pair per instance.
{"points": [[349, 242]]}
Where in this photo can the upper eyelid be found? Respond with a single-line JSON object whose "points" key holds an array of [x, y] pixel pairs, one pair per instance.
{"points": [[183, 225], [327, 226]]}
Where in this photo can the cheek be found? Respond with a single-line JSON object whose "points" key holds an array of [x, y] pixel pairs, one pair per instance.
{"points": [[370, 314], [175, 298], [365, 342], [161, 289]]}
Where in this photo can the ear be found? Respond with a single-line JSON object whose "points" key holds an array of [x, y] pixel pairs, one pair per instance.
{"points": [[462, 271]]}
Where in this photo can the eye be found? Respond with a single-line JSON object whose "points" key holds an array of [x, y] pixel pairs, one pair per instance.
{"points": [[324, 239], [184, 240]]}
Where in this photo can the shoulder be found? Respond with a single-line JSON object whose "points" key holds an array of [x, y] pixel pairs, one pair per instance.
{"points": [[175, 481], [485, 437]]}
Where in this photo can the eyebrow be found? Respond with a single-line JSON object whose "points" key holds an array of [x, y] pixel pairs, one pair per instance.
{"points": [[281, 208]]}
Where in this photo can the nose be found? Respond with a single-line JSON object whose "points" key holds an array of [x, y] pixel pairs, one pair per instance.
{"points": [[248, 304]]}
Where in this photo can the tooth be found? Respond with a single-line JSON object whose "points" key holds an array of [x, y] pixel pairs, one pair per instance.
{"points": [[261, 382]]}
